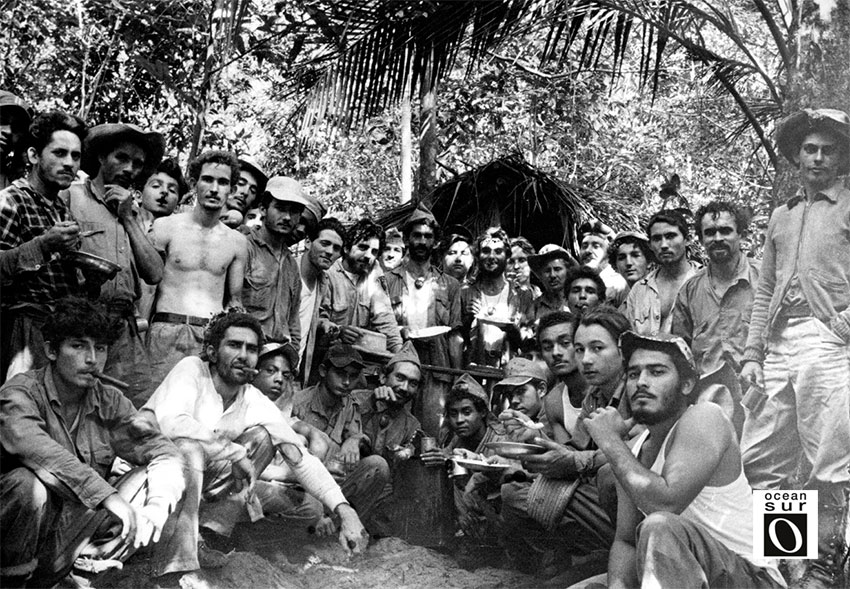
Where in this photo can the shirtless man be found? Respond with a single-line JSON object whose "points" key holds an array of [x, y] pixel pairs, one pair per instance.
{"points": [[204, 265], [649, 306]]}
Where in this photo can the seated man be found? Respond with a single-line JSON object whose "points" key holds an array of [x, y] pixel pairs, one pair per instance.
{"points": [[60, 430], [579, 525], [277, 487], [523, 388], [387, 422], [329, 407], [228, 432], [685, 508], [471, 426]]}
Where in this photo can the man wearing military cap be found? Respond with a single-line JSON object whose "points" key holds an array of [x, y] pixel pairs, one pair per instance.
{"points": [[796, 354], [117, 157], [272, 289], [550, 266], [330, 407], [685, 508]]}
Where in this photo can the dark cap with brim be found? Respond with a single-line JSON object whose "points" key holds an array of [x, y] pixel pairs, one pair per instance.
{"points": [[521, 371], [286, 350], [342, 355], [792, 130], [663, 342], [103, 137]]}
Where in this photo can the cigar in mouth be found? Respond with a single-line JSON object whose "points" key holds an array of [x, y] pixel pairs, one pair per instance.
{"points": [[113, 381], [252, 372]]}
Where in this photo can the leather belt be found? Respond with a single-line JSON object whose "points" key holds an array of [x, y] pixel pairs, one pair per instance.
{"points": [[177, 318]]}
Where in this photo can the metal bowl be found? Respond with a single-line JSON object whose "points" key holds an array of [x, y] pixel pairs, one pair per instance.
{"points": [[515, 449], [90, 263]]}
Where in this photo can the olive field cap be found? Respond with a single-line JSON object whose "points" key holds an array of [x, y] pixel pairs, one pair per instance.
{"points": [[286, 189], [342, 355], [284, 349], [467, 385], [521, 371]]}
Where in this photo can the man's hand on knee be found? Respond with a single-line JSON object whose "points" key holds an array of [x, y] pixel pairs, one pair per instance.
{"points": [[243, 473], [118, 506], [752, 374]]}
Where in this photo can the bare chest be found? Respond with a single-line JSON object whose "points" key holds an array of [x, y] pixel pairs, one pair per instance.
{"points": [[201, 251]]}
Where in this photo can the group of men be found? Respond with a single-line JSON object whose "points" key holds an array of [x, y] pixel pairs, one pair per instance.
{"points": [[248, 389]]}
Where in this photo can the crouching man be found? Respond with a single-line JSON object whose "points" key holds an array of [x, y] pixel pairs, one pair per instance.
{"points": [[229, 431], [60, 431], [685, 508]]}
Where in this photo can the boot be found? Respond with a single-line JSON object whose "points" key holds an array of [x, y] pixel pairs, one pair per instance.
{"points": [[827, 569]]}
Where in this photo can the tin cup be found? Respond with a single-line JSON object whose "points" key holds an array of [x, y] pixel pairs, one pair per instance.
{"points": [[427, 444], [457, 470]]}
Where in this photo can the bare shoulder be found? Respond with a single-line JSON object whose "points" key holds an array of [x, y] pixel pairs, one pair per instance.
{"points": [[170, 224], [706, 421]]}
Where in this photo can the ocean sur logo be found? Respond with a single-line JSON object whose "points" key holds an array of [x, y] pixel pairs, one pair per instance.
{"points": [[785, 524]]}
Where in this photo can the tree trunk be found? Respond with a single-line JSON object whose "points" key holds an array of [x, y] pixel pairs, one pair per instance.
{"points": [[427, 135], [406, 149], [820, 77]]}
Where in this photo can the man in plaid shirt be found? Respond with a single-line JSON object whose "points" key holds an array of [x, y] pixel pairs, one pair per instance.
{"points": [[36, 229]]}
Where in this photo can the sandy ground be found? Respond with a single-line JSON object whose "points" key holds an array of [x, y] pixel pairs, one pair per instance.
{"points": [[270, 555]]}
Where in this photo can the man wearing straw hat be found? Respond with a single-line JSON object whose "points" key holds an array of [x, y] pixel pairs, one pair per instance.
{"points": [[797, 432], [550, 265], [685, 508], [118, 157]]}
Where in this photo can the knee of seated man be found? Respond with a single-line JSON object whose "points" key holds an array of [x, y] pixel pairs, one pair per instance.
{"points": [[192, 452], [254, 438], [375, 467], [26, 489], [661, 522]]}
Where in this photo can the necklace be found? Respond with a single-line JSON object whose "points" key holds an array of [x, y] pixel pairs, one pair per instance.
{"points": [[491, 303]]}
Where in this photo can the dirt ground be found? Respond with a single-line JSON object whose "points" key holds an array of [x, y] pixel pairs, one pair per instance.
{"points": [[270, 555]]}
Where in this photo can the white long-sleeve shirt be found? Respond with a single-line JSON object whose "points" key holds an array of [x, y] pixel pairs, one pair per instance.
{"points": [[187, 405]]}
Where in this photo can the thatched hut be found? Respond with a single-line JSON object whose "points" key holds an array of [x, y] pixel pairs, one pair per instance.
{"points": [[523, 200]]}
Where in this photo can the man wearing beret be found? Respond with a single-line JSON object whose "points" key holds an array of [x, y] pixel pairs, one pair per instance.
{"points": [[797, 430], [116, 157]]}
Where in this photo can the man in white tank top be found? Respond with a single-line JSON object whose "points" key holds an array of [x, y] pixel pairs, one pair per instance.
{"points": [[684, 513]]}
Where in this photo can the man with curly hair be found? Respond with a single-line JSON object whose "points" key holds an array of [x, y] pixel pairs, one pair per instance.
{"points": [[61, 429], [228, 431], [204, 265], [36, 233]]}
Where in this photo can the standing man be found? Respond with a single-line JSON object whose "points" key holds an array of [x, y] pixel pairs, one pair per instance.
{"points": [[585, 289], [496, 314], [327, 242], [424, 296], [354, 300], [797, 347], [204, 265], [684, 507], [551, 266], [272, 289], [36, 234], [631, 257], [251, 184], [712, 312], [60, 430], [117, 157], [595, 238], [649, 306], [15, 118], [394, 250]]}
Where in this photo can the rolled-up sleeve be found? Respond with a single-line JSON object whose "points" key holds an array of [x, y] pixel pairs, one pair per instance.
{"points": [[23, 434]]}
